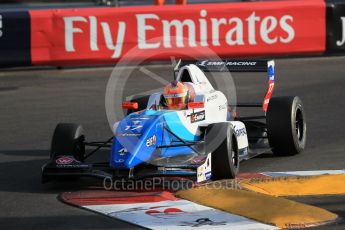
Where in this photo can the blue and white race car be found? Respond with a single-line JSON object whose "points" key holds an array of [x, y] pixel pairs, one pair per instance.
{"points": [[204, 141]]}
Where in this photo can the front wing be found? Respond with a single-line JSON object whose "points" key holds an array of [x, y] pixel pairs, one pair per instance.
{"points": [[64, 167]]}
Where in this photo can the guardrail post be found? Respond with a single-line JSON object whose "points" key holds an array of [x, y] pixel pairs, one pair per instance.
{"points": [[181, 2], [159, 2], [177, 2]]}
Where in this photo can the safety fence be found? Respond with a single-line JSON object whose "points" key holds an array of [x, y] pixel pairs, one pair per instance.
{"points": [[336, 26], [60, 37]]}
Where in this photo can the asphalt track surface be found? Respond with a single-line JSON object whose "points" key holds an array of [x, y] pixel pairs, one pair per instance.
{"points": [[32, 102]]}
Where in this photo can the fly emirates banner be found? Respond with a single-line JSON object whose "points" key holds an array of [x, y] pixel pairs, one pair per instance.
{"points": [[107, 35]]}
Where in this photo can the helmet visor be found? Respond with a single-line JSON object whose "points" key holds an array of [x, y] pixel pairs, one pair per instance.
{"points": [[176, 101]]}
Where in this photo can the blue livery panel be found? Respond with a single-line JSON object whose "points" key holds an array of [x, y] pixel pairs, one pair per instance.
{"points": [[138, 135]]}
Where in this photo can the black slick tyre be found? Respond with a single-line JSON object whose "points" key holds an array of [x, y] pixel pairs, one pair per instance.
{"points": [[68, 139], [286, 125], [221, 142]]}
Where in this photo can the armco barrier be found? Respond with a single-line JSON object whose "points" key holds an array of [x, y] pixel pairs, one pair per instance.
{"points": [[336, 26], [14, 38], [105, 35]]}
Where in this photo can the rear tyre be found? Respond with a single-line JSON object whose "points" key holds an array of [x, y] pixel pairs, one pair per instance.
{"points": [[68, 139], [221, 142], [286, 125], [142, 103]]}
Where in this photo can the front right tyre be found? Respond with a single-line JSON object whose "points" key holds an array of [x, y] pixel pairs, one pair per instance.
{"points": [[68, 139], [221, 143]]}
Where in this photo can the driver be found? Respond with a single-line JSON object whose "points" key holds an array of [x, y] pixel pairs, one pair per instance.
{"points": [[177, 95]]}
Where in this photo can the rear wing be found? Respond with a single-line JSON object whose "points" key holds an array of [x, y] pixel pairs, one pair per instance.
{"points": [[239, 66]]}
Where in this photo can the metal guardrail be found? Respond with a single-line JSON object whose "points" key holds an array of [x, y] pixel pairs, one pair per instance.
{"points": [[39, 4], [151, 2]]}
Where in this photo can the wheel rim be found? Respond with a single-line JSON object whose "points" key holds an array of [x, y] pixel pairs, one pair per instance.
{"points": [[80, 149], [299, 128], [234, 158]]}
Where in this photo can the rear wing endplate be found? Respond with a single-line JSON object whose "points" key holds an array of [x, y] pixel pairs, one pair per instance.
{"points": [[238, 66]]}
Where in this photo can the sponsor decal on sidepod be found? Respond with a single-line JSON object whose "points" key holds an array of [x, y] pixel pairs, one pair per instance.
{"points": [[197, 116], [151, 141]]}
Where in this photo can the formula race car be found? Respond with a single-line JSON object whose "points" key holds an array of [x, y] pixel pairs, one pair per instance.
{"points": [[203, 141]]}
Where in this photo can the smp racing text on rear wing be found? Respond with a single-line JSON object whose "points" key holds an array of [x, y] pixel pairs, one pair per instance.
{"points": [[239, 66]]}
